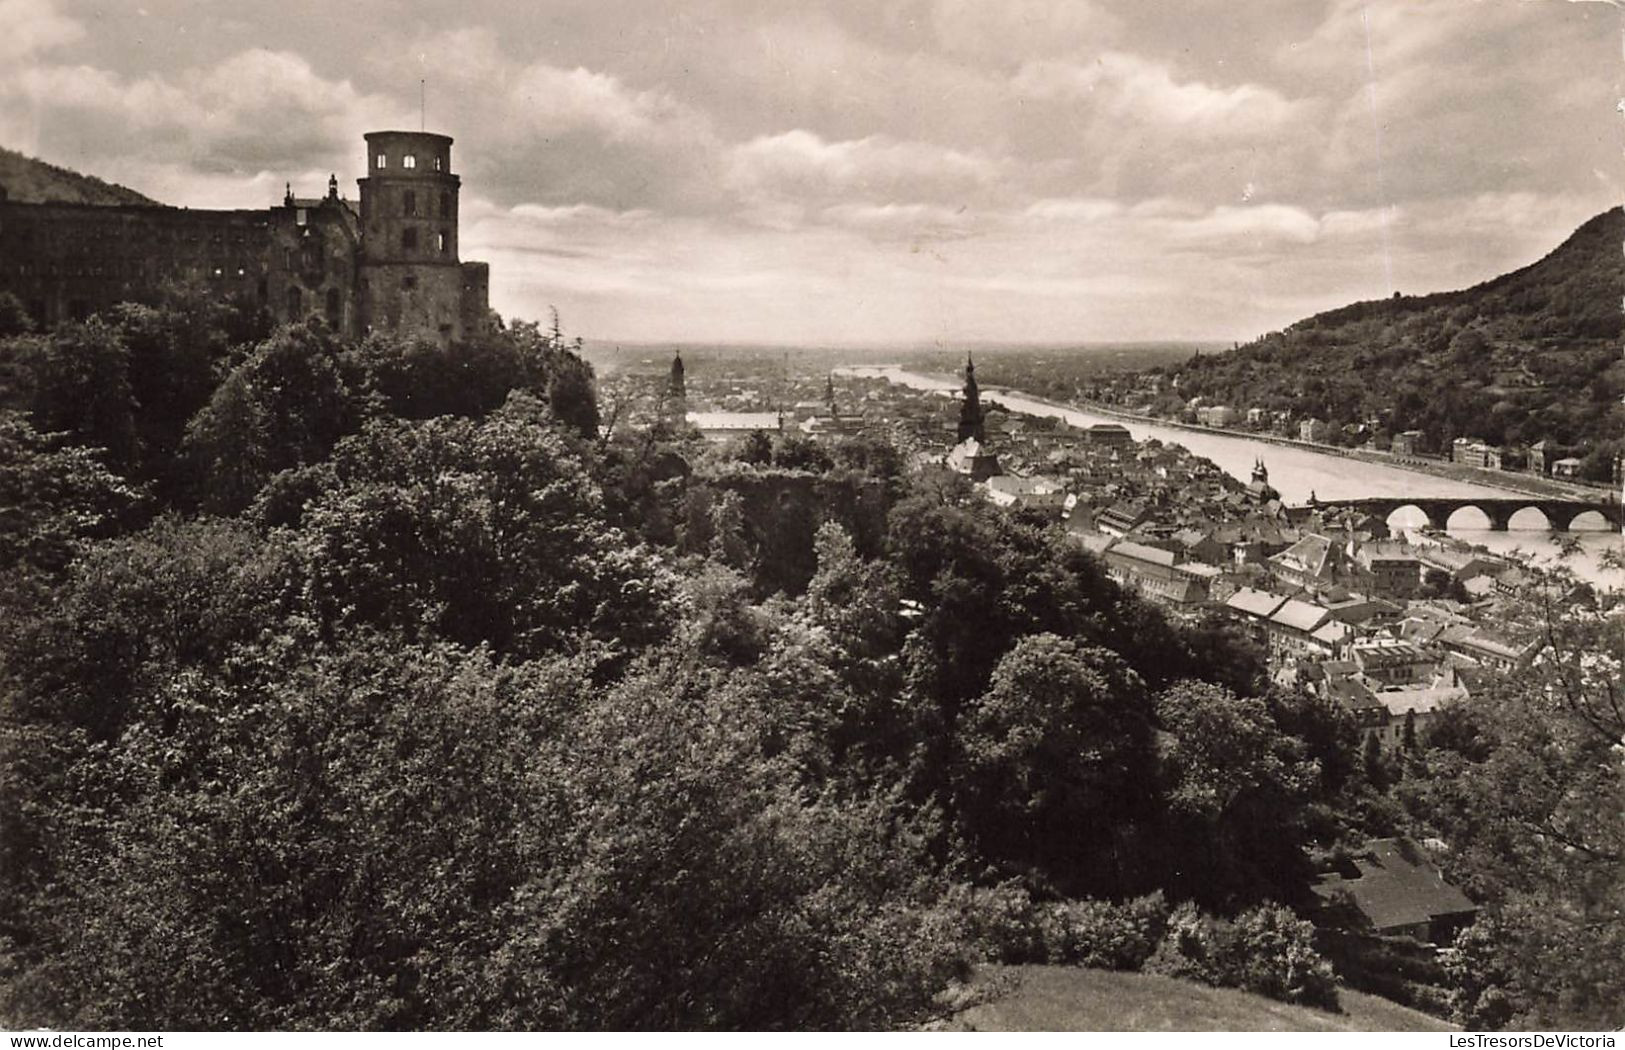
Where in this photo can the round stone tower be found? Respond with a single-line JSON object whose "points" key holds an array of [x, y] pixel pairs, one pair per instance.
{"points": [[410, 277]]}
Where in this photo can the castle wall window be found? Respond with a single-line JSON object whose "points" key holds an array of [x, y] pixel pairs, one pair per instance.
{"points": [[441, 241], [409, 161], [409, 281], [438, 164], [409, 203], [409, 238], [381, 161]]}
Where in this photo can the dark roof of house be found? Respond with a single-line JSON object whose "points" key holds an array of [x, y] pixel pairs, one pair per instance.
{"points": [[1398, 885]]}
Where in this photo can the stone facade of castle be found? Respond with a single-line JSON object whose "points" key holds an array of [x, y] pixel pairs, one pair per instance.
{"points": [[388, 262]]}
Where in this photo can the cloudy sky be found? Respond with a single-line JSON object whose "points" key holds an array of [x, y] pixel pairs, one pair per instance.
{"points": [[878, 171]]}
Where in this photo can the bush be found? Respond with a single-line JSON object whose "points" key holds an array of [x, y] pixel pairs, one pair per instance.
{"points": [[1104, 935], [1275, 956], [1010, 927], [1267, 950], [1004, 924], [1192, 947]]}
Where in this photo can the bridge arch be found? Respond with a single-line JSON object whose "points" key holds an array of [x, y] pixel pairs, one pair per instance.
{"points": [[1408, 515], [1533, 516], [1467, 515], [1590, 520]]}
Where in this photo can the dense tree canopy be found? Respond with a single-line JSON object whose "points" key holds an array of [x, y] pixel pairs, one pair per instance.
{"points": [[370, 686]]}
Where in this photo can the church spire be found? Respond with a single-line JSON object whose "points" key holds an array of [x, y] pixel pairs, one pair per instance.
{"points": [[675, 406], [970, 410]]}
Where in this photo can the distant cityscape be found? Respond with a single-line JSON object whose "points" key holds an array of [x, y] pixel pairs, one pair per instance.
{"points": [[1389, 626]]}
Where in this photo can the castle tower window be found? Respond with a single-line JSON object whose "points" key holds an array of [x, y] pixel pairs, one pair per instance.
{"points": [[441, 242], [381, 161], [409, 238], [438, 164], [409, 161], [409, 203]]}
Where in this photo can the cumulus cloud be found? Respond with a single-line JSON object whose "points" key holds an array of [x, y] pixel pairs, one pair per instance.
{"points": [[32, 26], [1129, 87], [254, 112], [802, 165], [1045, 169]]}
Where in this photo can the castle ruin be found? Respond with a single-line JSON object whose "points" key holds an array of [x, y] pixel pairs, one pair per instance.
{"points": [[387, 263]]}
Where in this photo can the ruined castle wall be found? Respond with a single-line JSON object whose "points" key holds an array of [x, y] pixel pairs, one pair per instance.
{"points": [[67, 261], [392, 266]]}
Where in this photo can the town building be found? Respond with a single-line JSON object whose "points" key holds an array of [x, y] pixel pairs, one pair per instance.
{"points": [[1120, 519], [1474, 453], [1154, 573], [1110, 434], [1390, 570], [387, 262], [1311, 563], [1009, 490], [1540, 457], [1391, 661], [1216, 415], [721, 426], [1408, 443], [1395, 889]]}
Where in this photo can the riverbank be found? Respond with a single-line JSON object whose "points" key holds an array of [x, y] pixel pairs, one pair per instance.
{"points": [[1508, 481]]}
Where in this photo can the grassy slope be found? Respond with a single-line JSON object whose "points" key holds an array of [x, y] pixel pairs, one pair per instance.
{"points": [[31, 181], [1061, 998]]}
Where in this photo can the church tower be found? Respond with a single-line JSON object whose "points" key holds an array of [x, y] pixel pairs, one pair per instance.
{"points": [[410, 276], [675, 406], [970, 410]]}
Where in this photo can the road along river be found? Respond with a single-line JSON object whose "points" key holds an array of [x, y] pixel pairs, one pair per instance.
{"points": [[1298, 472]]}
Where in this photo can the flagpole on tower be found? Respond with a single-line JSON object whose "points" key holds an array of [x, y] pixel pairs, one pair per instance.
{"points": [[422, 104]]}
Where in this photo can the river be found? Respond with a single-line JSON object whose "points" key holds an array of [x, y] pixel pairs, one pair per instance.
{"points": [[1299, 472]]}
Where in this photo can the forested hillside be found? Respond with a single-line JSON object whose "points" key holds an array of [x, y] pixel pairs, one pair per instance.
{"points": [[1532, 355], [370, 686], [31, 181]]}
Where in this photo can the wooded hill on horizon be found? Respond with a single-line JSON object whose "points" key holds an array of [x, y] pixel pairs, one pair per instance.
{"points": [[1528, 356], [30, 181]]}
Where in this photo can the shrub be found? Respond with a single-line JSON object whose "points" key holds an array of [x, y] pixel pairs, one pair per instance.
{"points": [[1003, 922], [1102, 934], [1267, 950], [1193, 946], [1274, 955]]}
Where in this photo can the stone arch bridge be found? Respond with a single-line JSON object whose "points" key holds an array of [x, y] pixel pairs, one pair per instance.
{"points": [[1560, 513]]}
